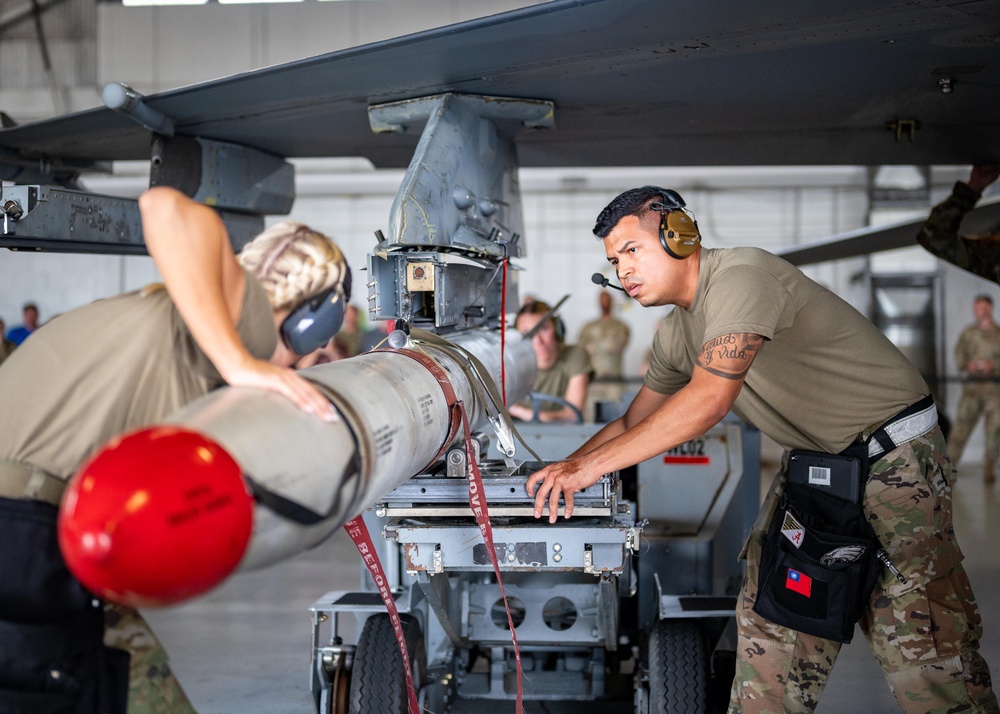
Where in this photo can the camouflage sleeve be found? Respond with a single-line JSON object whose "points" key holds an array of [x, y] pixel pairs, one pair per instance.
{"points": [[962, 350], [939, 234], [979, 255]]}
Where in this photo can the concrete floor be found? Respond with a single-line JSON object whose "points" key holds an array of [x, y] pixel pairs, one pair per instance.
{"points": [[245, 646]]}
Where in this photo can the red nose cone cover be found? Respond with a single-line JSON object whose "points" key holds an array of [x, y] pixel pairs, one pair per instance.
{"points": [[157, 516]]}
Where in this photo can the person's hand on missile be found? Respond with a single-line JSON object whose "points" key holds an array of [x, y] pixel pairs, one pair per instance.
{"points": [[563, 478], [284, 381]]}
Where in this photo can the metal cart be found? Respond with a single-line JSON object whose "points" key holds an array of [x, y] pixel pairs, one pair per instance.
{"points": [[629, 600]]}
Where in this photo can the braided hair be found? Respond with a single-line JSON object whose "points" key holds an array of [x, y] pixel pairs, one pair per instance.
{"points": [[294, 263]]}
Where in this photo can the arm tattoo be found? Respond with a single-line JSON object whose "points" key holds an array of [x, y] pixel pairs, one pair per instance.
{"points": [[730, 356]]}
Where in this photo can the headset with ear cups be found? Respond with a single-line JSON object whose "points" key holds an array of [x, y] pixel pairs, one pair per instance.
{"points": [[540, 308], [560, 328], [314, 323], [679, 233]]}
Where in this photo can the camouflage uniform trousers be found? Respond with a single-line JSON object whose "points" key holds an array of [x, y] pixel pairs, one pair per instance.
{"points": [[978, 398], [925, 633], [152, 687]]}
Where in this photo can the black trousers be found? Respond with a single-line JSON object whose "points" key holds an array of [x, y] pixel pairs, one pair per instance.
{"points": [[52, 654]]}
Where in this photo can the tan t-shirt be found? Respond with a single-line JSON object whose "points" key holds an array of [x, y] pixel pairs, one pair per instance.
{"points": [[605, 340], [825, 373], [110, 367]]}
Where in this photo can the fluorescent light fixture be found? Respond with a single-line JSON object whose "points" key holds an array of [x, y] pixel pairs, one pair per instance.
{"points": [[903, 177], [149, 3], [141, 3]]}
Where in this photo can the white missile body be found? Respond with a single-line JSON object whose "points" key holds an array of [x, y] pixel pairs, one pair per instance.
{"points": [[394, 421]]}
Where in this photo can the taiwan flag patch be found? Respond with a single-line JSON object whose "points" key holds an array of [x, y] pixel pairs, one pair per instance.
{"points": [[798, 582]]}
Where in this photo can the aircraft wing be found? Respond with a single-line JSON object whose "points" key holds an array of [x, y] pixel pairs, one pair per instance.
{"points": [[983, 219], [634, 82]]}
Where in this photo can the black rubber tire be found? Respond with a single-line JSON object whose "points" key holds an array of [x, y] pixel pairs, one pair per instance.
{"points": [[378, 681], [678, 668]]}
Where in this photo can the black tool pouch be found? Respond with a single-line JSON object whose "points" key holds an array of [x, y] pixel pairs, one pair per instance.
{"points": [[818, 564], [52, 655]]}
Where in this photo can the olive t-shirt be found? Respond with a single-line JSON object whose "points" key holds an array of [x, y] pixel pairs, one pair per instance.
{"points": [[572, 360], [824, 373], [109, 367]]}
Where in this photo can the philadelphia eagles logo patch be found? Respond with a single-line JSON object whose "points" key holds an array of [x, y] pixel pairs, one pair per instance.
{"points": [[843, 554]]}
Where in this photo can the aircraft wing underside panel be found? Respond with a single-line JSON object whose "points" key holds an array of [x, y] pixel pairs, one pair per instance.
{"points": [[634, 82]]}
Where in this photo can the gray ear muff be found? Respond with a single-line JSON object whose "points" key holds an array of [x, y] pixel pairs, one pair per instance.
{"points": [[314, 323]]}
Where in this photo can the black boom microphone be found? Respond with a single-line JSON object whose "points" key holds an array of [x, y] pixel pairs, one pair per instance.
{"points": [[599, 279]]}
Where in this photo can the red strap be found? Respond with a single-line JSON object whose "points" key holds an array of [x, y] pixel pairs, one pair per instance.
{"points": [[477, 502], [362, 539], [503, 334], [449, 393]]}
